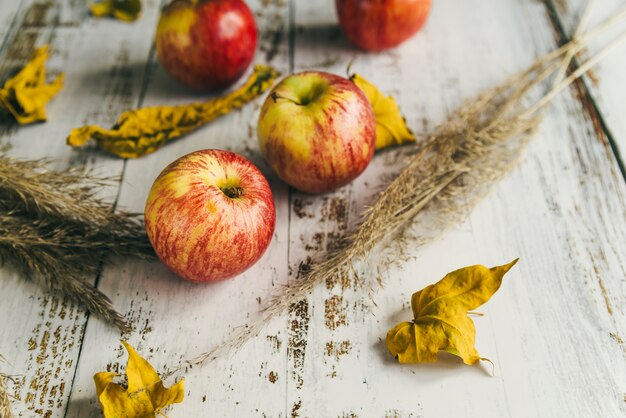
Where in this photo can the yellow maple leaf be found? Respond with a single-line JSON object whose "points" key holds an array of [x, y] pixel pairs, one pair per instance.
{"points": [[440, 316], [126, 10], [391, 128], [143, 131], [26, 94], [145, 395]]}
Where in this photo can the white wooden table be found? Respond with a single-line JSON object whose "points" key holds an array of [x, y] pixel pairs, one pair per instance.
{"points": [[555, 330]]}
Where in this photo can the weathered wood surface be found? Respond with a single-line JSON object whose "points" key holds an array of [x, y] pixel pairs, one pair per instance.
{"points": [[605, 83], [555, 330]]}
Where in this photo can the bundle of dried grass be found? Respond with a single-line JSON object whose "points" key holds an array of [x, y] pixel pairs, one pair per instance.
{"points": [[5, 400], [452, 170], [55, 228]]}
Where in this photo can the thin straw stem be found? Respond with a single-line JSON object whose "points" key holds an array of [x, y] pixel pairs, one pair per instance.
{"points": [[582, 69]]}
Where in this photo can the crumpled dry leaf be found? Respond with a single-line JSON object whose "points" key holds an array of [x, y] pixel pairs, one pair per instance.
{"points": [[142, 131], [126, 10], [440, 316], [145, 395], [391, 128], [26, 94]]}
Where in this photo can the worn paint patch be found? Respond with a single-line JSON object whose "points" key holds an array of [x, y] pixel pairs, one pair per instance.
{"points": [[272, 377], [589, 108], [140, 316], [36, 14], [335, 312], [605, 293], [336, 349], [300, 208], [275, 343], [615, 337], [334, 240], [21, 47], [297, 341], [336, 210], [295, 408], [392, 413], [304, 267], [344, 282], [271, 19], [395, 413], [43, 388], [316, 242]]}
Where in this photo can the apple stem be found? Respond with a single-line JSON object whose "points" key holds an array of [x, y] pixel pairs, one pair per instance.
{"points": [[275, 97], [232, 191]]}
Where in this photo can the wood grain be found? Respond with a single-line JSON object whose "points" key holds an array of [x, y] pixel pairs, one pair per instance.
{"points": [[555, 330]]}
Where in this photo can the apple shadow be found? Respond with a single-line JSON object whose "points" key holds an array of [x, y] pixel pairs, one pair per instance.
{"points": [[147, 80], [160, 84], [7, 121], [325, 40], [83, 407]]}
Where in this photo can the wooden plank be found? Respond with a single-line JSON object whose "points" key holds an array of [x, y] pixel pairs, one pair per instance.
{"points": [[41, 334], [605, 84], [560, 310], [175, 319]]}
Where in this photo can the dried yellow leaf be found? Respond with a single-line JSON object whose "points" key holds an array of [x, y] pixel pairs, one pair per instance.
{"points": [[391, 128], [25, 96], [440, 316], [142, 131], [126, 10], [145, 395]]}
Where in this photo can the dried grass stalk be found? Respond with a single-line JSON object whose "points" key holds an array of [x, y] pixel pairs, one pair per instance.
{"points": [[451, 172], [5, 400], [55, 228]]}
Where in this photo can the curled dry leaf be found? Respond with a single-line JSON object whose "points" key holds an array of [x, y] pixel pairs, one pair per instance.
{"points": [[26, 94], [391, 128], [440, 315], [126, 10], [143, 131], [145, 395]]}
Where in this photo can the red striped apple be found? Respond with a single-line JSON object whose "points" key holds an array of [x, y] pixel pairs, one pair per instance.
{"points": [[375, 25], [210, 215], [206, 44], [317, 131]]}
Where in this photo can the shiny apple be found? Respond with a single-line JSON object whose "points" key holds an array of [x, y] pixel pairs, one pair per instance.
{"points": [[210, 215], [317, 131], [375, 25], [206, 44]]}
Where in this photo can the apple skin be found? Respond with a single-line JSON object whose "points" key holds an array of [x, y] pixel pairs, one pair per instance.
{"points": [[376, 25], [207, 44], [317, 131], [196, 229]]}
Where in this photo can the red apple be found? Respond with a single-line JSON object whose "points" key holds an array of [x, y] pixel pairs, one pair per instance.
{"points": [[374, 25], [210, 215], [206, 44], [317, 131]]}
